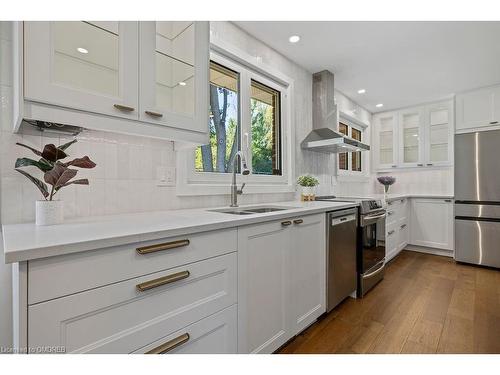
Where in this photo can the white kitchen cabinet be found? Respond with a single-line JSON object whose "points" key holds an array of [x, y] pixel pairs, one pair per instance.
{"points": [[141, 78], [263, 289], [174, 73], [478, 109], [90, 66], [385, 140], [281, 281], [216, 334], [125, 316], [308, 271], [403, 227], [411, 137], [431, 223], [438, 134], [414, 137]]}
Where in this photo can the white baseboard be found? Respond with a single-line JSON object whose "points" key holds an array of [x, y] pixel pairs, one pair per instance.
{"points": [[430, 250]]}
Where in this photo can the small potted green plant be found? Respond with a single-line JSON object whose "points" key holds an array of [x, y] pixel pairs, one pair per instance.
{"points": [[308, 184], [57, 174]]}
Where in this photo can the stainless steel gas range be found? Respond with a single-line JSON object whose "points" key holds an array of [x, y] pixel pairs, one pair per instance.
{"points": [[370, 241]]}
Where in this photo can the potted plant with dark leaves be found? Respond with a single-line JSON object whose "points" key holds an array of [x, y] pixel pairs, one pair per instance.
{"points": [[56, 174], [308, 184], [386, 181]]}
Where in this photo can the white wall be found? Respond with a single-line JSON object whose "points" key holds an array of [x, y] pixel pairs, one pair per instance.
{"points": [[437, 181]]}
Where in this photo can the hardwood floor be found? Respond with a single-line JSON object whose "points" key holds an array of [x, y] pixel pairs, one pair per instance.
{"points": [[425, 304]]}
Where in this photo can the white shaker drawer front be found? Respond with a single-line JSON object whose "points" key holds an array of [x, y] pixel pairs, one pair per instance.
{"points": [[215, 334], [67, 274], [126, 316]]}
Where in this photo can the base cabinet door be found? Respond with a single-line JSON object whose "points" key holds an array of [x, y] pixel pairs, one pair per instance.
{"points": [[432, 223], [281, 281], [308, 271], [263, 263]]}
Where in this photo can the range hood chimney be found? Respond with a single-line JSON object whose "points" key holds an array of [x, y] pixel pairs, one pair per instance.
{"points": [[325, 136]]}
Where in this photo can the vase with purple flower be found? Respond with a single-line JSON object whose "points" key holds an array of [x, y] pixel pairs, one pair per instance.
{"points": [[387, 181]]}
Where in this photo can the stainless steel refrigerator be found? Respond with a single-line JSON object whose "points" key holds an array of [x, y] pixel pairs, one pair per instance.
{"points": [[477, 198]]}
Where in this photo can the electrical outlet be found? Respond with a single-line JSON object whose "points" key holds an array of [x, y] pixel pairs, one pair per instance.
{"points": [[165, 176]]}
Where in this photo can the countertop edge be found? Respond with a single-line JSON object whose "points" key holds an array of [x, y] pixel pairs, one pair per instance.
{"points": [[21, 255]]}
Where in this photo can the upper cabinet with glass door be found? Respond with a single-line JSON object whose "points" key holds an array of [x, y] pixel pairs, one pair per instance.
{"points": [[414, 137], [439, 134], [84, 65], [385, 141], [411, 137], [174, 74]]}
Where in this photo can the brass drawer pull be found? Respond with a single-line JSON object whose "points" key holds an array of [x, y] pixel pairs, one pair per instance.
{"points": [[154, 114], [124, 108], [169, 345], [298, 221], [286, 223], [390, 233], [162, 281], [162, 246], [403, 226]]}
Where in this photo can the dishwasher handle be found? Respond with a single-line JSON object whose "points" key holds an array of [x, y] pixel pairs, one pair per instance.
{"points": [[342, 219]]}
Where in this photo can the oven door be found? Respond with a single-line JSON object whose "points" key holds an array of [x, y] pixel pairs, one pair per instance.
{"points": [[372, 241]]}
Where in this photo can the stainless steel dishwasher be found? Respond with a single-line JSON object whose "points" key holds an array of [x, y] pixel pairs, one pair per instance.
{"points": [[341, 255]]}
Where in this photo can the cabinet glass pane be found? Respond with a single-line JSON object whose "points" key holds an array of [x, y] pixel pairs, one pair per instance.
{"points": [[438, 135], [410, 137], [356, 156], [386, 147], [175, 72], [86, 56], [343, 156]]}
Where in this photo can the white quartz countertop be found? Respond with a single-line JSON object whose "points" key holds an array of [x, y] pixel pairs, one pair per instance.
{"points": [[392, 197], [27, 241]]}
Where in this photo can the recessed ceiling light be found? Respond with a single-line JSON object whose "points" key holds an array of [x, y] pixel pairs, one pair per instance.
{"points": [[379, 105], [294, 39], [362, 91], [182, 83], [82, 50]]}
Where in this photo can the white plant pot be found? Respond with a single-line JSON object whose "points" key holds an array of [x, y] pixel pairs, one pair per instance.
{"points": [[49, 212]]}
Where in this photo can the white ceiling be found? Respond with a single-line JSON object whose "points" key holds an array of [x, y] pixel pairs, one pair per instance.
{"points": [[398, 63]]}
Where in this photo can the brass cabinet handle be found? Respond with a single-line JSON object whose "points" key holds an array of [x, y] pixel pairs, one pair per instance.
{"points": [[154, 114], [403, 226], [162, 281], [394, 166], [286, 223], [493, 122], [169, 345], [298, 221], [447, 200], [162, 246], [124, 108], [390, 233], [420, 165], [389, 213]]}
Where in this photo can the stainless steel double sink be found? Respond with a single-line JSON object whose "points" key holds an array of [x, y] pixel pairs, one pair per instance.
{"points": [[251, 210]]}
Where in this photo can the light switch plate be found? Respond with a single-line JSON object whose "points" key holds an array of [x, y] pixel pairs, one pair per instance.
{"points": [[165, 176]]}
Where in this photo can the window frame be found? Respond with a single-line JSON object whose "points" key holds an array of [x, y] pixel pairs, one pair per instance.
{"points": [[364, 158], [191, 182]]}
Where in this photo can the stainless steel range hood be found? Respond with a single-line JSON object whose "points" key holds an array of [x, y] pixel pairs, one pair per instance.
{"points": [[325, 136]]}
